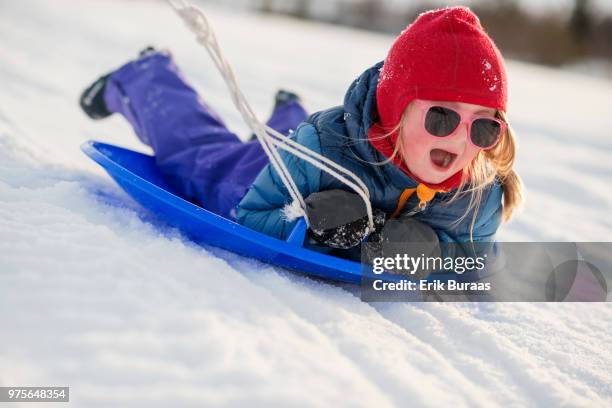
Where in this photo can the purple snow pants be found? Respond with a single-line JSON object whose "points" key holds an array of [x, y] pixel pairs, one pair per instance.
{"points": [[200, 158]]}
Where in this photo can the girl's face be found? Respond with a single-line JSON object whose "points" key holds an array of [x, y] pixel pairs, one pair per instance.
{"points": [[427, 156]]}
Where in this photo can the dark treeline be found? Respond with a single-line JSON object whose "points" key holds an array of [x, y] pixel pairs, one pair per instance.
{"points": [[553, 38]]}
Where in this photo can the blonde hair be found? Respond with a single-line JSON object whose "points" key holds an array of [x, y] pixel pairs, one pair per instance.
{"points": [[497, 162]]}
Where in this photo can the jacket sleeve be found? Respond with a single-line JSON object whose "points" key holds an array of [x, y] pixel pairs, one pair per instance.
{"points": [[261, 209], [457, 242]]}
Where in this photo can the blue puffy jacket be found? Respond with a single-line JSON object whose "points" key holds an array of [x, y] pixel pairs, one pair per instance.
{"points": [[340, 134]]}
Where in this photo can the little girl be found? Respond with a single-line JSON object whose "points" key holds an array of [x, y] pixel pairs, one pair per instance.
{"points": [[425, 130]]}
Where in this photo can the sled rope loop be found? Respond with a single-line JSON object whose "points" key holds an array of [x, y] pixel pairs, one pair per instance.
{"points": [[269, 138]]}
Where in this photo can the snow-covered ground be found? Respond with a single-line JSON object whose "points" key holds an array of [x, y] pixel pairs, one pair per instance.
{"points": [[95, 294]]}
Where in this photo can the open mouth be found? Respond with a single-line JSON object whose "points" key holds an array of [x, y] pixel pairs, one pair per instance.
{"points": [[442, 159]]}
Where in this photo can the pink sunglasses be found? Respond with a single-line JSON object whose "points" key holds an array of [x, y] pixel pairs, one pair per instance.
{"points": [[441, 121]]}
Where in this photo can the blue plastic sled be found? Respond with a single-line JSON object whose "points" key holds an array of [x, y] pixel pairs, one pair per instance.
{"points": [[137, 174]]}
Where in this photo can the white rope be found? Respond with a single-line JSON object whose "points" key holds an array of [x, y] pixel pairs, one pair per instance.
{"points": [[269, 138]]}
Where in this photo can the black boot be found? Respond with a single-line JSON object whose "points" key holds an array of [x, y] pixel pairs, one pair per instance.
{"points": [[283, 96], [149, 50], [92, 98]]}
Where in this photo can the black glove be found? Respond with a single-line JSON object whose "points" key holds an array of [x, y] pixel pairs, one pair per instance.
{"points": [[339, 219], [404, 235]]}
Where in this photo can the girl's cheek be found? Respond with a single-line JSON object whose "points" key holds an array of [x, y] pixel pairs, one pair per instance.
{"points": [[417, 144], [422, 144], [469, 155]]}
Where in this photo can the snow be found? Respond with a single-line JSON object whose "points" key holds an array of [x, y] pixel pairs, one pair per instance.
{"points": [[97, 295]]}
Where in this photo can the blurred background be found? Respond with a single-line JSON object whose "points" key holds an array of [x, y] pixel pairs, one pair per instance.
{"points": [[574, 34]]}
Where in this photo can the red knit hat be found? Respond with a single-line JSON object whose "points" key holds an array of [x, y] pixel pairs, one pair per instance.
{"points": [[444, 55]]}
